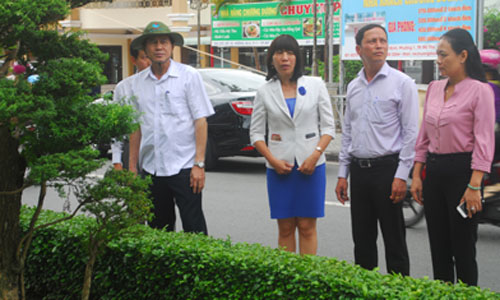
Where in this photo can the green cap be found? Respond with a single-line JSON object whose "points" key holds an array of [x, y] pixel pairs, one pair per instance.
{"points": [[153, 29]]}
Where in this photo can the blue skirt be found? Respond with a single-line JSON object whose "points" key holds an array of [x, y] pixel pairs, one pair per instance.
{"points": [[297, 194]]}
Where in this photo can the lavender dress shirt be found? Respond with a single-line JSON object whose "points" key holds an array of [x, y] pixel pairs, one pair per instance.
{"points": [[381, 118]]}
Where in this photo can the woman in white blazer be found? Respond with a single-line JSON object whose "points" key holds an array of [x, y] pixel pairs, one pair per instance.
{"points": [[298, 115]]}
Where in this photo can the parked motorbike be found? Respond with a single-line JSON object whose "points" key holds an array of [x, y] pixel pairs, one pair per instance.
{"points": [[490, 214], [491, 204]]}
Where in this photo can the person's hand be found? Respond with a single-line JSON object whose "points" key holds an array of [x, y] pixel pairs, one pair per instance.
{"points": [[118, 166], [309, 165], [281, 167], [133, 169], [416, 190], [197, 181], [341, 190], [398, 190], [472, 200]]}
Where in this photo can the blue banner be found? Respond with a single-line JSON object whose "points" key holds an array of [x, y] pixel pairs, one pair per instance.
{"points": [[413, 26]]}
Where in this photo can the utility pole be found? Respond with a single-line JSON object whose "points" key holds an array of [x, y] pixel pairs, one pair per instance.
{"points": [[315, 28], [198, 5], [328, 37]]}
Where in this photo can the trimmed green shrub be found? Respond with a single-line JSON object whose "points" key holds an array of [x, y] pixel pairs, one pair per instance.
{"points": [[166, 265], [351, 69]]}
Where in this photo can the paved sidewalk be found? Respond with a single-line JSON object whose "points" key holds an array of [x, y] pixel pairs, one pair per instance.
{"points": [[333, 149]]}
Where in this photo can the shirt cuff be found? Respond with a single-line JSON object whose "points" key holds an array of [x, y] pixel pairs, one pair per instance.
{"points": [[116, 152], [116, 158], [343, 171], [402, 172], [486, 168], [257, 137], [328, 131], [421, 158]]}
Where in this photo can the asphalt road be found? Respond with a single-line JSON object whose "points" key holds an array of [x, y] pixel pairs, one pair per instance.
{"points": [[236, 207]]}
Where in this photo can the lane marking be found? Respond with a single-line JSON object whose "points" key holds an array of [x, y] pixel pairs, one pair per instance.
{"points": [[347, 205]]}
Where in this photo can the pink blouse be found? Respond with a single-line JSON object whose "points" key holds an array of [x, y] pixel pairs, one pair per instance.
{"points": [[464, 123]]}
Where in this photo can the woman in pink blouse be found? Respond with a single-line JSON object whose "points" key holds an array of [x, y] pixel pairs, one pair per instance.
{"points": [[456, 143]]}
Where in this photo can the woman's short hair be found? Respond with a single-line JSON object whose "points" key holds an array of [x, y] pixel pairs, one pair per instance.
{"points": [[287, 43], [460, 40]]}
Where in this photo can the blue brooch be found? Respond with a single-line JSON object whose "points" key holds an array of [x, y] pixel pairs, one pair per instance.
{"points": [[302, 90]]}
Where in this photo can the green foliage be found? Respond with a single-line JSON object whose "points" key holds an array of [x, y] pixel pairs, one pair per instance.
{"points": [[61, 114], [67, 166], [56, 114], [52, 123], [118, 201], [351, 69], [167, 265], [20, 17], [50, 45], [492, 25]]}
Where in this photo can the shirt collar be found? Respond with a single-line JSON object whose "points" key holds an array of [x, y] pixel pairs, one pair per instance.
{"points": [[384, 71], [173, 71], [459, 86]]}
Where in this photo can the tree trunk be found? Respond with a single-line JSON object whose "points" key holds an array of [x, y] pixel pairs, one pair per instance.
{"points": [[256, 57], [89, 268], [12, 169]]}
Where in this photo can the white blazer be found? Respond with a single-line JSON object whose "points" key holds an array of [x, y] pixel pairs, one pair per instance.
{"points": [[292, 139]]}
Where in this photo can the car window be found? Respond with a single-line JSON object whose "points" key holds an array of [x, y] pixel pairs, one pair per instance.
{"points": [[226, 80]]}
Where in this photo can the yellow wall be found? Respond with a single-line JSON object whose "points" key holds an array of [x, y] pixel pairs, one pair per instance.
{"points": [[122, 18]]}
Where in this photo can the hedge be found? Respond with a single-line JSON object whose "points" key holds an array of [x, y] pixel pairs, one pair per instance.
{"points": [[154, 264]]}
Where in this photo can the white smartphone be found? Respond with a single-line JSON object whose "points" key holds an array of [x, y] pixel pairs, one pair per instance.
{"points": [[462, 210]]}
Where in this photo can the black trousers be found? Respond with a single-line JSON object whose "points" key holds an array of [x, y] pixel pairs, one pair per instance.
{"points": [[371, 188], [168, 191], [451, 237], [125, 154]]}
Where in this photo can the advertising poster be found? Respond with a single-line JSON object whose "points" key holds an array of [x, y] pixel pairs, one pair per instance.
{"points": [[413, 26], [257, 24]]}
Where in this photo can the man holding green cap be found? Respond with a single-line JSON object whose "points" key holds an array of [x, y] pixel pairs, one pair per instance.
{"points": [[170, 143]]}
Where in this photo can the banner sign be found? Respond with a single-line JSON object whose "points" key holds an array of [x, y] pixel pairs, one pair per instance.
{"points": [[257, 24], [413, 26]]}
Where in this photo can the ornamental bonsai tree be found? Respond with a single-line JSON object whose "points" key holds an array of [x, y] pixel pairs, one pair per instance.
{"points": [[48, 123]]}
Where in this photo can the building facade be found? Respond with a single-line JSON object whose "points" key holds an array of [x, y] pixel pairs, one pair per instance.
{"points": [[113, 26]]}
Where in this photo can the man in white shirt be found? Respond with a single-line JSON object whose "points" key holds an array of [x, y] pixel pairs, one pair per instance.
{"points": [[121, 94], [170, 143]]}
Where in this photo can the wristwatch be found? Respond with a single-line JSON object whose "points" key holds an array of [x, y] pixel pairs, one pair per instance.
{"points": [[318, 148], [200, 164]]}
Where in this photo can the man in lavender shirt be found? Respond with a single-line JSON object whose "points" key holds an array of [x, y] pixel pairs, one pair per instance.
{"points": [[378, 140]]}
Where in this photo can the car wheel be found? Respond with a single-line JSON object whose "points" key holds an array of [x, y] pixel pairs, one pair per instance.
{"points": [[412, 211], [210, 155]]}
